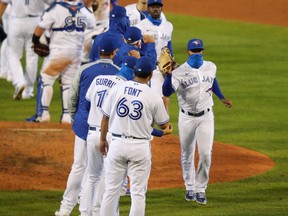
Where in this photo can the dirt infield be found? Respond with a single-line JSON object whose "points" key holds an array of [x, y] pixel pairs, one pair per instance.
{"points": [[39, 156]]}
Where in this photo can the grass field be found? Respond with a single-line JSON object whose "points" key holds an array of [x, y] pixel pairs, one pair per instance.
{"points": [[252, 71]]}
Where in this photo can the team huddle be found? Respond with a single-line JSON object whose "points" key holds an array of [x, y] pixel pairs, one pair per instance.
{"points": [[115, 93]]}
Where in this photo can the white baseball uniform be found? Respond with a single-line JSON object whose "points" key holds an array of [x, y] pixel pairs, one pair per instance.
{"points": [[96, 95], [196, 121], [131, 111], [135, 15], [66, 44], [101, 25], [24, 17], [5, 67], [162, 35]]}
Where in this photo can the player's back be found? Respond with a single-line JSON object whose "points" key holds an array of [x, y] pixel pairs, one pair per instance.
{"points": [[133, 108], [31, 8], [97, 93]]}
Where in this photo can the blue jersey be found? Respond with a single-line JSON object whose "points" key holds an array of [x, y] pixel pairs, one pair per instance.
{"points": [[146, 50], [84, 78]]}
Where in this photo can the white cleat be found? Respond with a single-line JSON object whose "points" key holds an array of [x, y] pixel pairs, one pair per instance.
{"points": [[18, 92]]}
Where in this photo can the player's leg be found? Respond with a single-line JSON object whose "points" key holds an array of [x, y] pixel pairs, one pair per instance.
{"points": [[94, 171], [115, 172], [205, 136], [31, 61], [67, 76], [187, 128], [16, 45], [75, 178], [5, 66], [139, 167]]}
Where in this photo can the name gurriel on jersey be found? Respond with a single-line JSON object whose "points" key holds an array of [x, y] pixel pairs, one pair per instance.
{"points": [[105, 82]]}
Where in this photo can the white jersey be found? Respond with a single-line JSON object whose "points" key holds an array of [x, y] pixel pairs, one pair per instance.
{"points": [[102, 12], [97, 93], [194, 86], [162, 33], [27, 8], [132, 110], [63, 33], [135, 15]]}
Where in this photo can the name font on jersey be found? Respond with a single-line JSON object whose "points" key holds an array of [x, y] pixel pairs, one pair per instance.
{"points": [[132, 91]]}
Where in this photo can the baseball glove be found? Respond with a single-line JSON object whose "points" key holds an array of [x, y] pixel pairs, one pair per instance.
{"points": [[41, 49], [165, 61]]}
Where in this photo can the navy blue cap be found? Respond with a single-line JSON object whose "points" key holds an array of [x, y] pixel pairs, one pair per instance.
{"points": [[133, 34], [118, 12], [144, 64], [129, 61], [195, 43], [155, 2], [107, 44]]}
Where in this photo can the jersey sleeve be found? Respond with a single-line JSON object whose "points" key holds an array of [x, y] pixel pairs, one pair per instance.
{"points": [[47, 19], [160, 114], [106, 107]]}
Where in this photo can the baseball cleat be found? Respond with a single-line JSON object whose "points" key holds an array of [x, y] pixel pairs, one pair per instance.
{"points": [[125, 192], [190, 195], [62, 212], [32, 119], [18, 92], [201, 198]]}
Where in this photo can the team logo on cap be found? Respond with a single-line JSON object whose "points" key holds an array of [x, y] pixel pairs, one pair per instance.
{"points": [[197, 42]]}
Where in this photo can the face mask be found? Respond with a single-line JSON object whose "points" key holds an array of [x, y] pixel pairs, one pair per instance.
{"points": [[195, 60]]}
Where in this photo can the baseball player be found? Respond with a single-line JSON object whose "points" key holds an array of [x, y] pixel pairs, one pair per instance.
{"points": [[161, 30], [101, 10], [24, 17], [138, 11], [77, 109], [129, 111], [67, 21], [134, 43], [117, 27], [5, 67], [195, 82], [95, 97]]}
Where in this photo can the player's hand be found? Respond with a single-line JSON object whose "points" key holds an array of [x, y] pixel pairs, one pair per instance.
{"points": [[103, 146], [227, 102], [134, 53], [168, 129], [148, 39]]}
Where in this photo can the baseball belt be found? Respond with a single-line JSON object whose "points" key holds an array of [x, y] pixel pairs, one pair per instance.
{"points": [[195, 114], [95, 129], [126, 137]]}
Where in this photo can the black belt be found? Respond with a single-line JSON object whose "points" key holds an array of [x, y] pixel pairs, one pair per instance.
{"points": [[194, 114], [126, 137], [94, 128], [33, 15]]}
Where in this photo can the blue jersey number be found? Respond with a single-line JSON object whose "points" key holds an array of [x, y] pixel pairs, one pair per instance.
{"points": [[73, 23], [123, 109], [101, 95]]}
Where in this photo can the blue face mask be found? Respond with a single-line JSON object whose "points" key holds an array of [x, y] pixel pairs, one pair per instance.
{"points": [[195, 60], [126, 72]]}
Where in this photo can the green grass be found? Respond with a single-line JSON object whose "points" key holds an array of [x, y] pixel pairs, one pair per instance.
{"points": [[252, 71]]}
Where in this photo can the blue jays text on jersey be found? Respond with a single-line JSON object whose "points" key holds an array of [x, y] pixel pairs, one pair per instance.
{"points": [[192, 80]]}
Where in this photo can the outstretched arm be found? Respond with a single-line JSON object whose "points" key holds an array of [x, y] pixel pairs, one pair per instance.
{"points": [[217, 91]]}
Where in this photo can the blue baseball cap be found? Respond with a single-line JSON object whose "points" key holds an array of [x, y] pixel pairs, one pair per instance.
{"points": [[133, 34], [129, 61], [118, 12], [155, 2], [107, 44], [195, 43], [144, 65]]}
